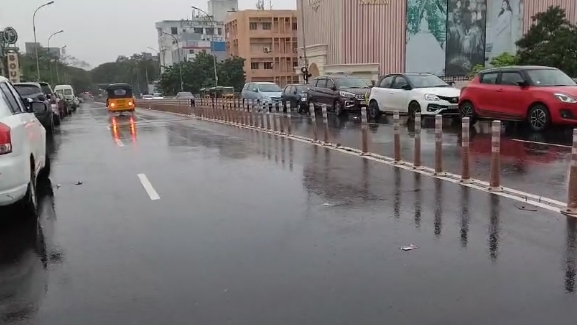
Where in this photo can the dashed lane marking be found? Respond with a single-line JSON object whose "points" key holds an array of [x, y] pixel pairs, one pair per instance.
{"points": [[148, 187]]}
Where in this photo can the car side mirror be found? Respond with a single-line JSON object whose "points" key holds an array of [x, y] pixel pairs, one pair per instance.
{"points": [[255, 90], [334, 88], [406, 87], [38, 107], [40, 97], [523, 84], [48, 96]]}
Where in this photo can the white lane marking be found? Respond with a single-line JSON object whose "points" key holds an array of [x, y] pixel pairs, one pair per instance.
{"points": [[542, 143], [119, 143], [148, 187]]}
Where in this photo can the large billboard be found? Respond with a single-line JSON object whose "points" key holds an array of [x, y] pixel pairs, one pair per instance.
{"points": [[466, 33], [426, 34], [504, 27]]}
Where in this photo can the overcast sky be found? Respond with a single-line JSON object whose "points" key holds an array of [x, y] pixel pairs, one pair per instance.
{"points": [[100, 30]]}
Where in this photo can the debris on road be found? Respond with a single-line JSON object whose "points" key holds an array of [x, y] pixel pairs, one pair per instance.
{"points": [[79, 183], [409, 247], [327, 204], [526, 208]]}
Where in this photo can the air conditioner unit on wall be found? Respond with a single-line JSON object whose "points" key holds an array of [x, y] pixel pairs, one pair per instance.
{"points": [[266, 49]]}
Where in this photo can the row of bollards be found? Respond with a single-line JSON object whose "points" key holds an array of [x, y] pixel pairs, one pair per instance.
{"points": [[259, 116]]}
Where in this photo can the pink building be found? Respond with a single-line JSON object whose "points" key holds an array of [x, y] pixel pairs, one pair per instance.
{"points": [[369, 38]]}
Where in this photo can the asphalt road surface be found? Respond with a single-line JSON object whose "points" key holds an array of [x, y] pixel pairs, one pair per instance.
{"points": [[162, 219]]}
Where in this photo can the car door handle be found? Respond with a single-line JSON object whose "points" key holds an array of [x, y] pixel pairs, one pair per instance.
{"points": [[500, 90]]}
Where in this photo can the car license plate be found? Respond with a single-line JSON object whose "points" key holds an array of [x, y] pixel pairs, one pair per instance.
{"points": [[453, 106]]}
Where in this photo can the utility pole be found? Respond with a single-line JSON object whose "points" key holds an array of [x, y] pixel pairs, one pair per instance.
{"points": [[305, 69]]}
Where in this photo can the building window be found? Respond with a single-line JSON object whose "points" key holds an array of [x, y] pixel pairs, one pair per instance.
{"points": [[254, 65], [268, 65], [266, 26], [220, 31], [191, 51], [174, 30], [198, 30], [294, 26], [295, 63], [252, 26], [210, 31]]}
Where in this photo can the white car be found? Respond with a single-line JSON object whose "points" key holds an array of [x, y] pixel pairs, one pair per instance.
{"points": [[409, 93], [23, 156]]}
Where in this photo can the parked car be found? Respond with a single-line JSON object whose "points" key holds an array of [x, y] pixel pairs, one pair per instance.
{"points": [[67, 93], [186, 95], [539, 96], [59, 110], [147, 97], [341, 93], [23, 156], [295, 95], [32, 91], [410, 93], [264, 93]]}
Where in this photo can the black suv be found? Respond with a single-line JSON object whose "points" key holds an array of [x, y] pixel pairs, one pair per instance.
{"points": [[341, 93]]}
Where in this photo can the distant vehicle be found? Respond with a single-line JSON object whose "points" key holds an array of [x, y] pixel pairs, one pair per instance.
{"points": [[147, 97], [157, 96], [23, 156], [267, 93], [31, 91], [186, 95], [539, 96], [410, 93], [60, 110], [341, 93], [120, 98], [295, 95], [68, 92]]}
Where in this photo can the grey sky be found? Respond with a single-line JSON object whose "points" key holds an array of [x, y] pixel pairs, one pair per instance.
{"points": [[99, 31]]}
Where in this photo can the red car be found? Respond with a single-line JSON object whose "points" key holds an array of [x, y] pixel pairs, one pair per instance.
{"points": [[539, 96]]}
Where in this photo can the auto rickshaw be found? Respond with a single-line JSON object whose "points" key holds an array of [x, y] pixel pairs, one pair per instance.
{"points": [[228, 92], [120, 98]]}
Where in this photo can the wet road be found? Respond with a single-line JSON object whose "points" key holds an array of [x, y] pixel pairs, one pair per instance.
{"points": [[167, 220]]}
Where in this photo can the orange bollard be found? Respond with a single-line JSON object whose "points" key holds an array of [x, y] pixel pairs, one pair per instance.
{"points": [[417, 151], [314, 121], [438, 144], [396, 137], [364, 132], [572, 181], [495, 178], [465, 159], [325, 124]]}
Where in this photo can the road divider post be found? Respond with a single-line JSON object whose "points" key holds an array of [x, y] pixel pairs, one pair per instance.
{"points": [[397, 137], [572, 179], [438, 144], [325, 124], [289, 118], [417, 150], [364, 132], [495, 178], [314, 121], [465, 157], [274, 119]]}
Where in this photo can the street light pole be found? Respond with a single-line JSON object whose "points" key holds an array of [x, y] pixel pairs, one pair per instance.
{"points": [[160, 58], [212, 43], [35, 41], [179, 59], [57, 73], [49, 59]]}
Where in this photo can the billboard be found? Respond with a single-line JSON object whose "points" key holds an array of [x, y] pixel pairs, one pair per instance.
{"points": [[13, 67]]}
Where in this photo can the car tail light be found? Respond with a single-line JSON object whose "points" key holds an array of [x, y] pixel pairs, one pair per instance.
{"points": [[5, 139]]}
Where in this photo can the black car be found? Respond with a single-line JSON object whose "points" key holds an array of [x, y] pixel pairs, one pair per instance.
{"points": [[32, 92], [296, 96], [340, 92]]}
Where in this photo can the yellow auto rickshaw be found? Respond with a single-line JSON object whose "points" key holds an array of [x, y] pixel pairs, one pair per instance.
{"points": [[228, 92], [120, 98]]}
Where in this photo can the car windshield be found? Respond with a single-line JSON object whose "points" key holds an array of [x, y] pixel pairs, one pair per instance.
{"points": [[46, 89], [27, 90], [550, 78], [350, 83], [302, 88], [426, 81], [68, 92], [269, 88]]}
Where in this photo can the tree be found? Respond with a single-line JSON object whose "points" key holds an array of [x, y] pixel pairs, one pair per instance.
{"points": [[502, 60], [199, 73], [550, 41], [139, 70]]}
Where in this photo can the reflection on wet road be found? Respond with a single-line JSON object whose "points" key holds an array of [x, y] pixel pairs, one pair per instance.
{"points": [[253, 229]]}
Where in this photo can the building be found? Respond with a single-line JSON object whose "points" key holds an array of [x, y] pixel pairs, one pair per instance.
{"points": [[369, 38], [219, 9], [267, 40], [30, 48]]}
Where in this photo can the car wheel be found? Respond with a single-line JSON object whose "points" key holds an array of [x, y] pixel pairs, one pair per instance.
{"points": [[338, 107], [56, 120], [45, 172], [414, 107], [374, 110], [466, 109], [29, 203], [538, 117]]}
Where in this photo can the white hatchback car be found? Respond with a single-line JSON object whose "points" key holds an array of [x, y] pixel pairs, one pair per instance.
{"points": [[409, 93], [23, 156]]}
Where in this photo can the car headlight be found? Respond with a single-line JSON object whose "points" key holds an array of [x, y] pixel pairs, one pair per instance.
{"points": [[565, 98], [432, 97], [346, 94]]}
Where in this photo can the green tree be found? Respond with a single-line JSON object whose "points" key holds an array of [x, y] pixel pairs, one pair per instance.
{"points": [[550, 41], [502, 60], [199, 73], [138, 70]]}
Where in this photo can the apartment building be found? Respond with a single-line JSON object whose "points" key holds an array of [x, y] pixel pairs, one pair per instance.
{"points": [[267, 40]]}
